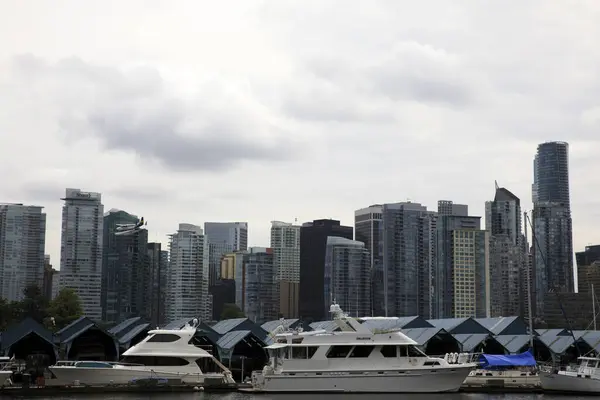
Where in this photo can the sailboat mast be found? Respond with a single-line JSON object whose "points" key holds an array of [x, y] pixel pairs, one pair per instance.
{"points": [[528, 269], [594, 306]]}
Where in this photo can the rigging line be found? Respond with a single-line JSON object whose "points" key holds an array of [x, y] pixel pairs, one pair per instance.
{"points": [[562, 309]]}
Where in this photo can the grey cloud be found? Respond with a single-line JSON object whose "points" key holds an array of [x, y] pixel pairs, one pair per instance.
{"points": [[135, 112]]}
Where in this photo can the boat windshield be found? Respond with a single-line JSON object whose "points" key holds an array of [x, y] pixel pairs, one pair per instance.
{"points": [[93, 364]]}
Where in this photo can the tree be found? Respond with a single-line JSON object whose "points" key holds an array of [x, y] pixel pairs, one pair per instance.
{"points": [[34, 304], [231, 311], [65, 308]]}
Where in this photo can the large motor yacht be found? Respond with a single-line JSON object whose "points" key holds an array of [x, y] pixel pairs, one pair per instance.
{"points": [[355, 360], [164, 354], [584, 379]]}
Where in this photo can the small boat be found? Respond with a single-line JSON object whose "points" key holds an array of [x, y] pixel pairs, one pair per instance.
{"points": [[584, 379], [511, 371], [355, 360]]}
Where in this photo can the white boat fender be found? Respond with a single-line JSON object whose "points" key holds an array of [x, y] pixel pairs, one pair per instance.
{"points": [[199, 389]]}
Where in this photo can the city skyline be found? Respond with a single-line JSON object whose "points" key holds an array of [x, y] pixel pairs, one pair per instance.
{"points": [[337, 107]]}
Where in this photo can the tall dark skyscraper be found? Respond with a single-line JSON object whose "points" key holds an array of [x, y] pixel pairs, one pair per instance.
{"points": [[124, 274], [551, 174], [313, 244], [552, 236]]}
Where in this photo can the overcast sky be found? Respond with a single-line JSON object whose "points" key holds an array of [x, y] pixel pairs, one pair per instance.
{"points": [[194, 111]]}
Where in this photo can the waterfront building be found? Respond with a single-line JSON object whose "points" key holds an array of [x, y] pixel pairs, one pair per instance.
{"points": [[367, 229], [347, 276], [552, 236], [81, 249], [22, 245], [285, 242], [187, 282], [223, 238]]}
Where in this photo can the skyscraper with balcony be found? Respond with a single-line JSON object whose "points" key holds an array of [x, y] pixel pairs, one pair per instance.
{"points": [[367, 229], [22, 242], [508, 255], [552, 236], [81, 249], [347, 276], [187, 282], [313, 243], [285, 242], [407, 233], [223, 238]]}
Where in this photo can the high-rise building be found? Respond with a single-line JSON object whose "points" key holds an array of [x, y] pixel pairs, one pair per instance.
{"points": [[313, 243], [367, 228], [222, 293], [552, 250], [285, 242], [508, 256], [223, 238], [552, 235], [255, 284], [124, 269], [454, 274], [407, 234], [187, 282], [22, 245], [551, 174], [156, 283], [81, 249], [347, 276]]}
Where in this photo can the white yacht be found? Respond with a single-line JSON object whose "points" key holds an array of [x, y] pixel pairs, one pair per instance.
{"points": [[584, 379], [355, 360], [164, 355]]}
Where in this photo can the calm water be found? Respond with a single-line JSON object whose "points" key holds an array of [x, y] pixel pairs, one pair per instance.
{"points": [[243, 396]]}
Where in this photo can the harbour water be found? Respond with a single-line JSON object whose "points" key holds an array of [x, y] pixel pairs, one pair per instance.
{"points": [[244, 396]]}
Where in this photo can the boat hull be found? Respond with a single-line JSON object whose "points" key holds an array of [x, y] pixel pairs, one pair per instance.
{"points": [[119, 376], [570, 383], [4, 375], [443, 380]]}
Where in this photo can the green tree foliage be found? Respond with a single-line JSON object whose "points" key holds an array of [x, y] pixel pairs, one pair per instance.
{"points": [[231, 311], [65, 308]]}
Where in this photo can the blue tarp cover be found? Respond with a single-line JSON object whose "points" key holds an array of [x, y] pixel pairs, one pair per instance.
{"points": [[489, 361]]}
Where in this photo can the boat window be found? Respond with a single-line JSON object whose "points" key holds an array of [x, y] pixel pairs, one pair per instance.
{"points": [[163, 338], [155, 361], [207, 365], [299, 352], [403, 351], [414, 352], [297, 340], [281, 340], [312, 350], [338, 351], [361, 351], [388, 351], [431, 363]]}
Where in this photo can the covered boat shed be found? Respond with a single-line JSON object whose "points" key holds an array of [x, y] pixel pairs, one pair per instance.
{"points": [[82, 339], [29, 339], [241, 346], [130, 332], [433, 341], [479, 343]]}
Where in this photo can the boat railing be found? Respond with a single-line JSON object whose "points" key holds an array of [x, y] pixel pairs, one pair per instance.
{"points": [[459, 358]]}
